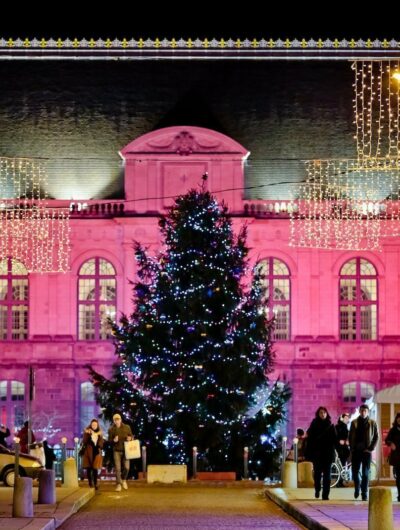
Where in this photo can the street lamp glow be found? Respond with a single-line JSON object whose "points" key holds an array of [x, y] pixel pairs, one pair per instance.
{"points": [[396, 75], [76, 439], [16, 439], [63, 440]]}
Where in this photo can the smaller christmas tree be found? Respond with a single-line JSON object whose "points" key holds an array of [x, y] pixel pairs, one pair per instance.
{"points": [[194, 356]]}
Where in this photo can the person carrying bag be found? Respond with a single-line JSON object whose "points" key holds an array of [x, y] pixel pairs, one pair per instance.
{"points": [[119, 433], [91, 451], [132, 449]]}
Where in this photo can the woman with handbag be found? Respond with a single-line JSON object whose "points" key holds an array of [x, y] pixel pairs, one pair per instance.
{"points": [[393, 441], [92, 445]]}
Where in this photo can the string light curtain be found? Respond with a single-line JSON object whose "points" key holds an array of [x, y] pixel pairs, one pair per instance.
{"points": [[376, 106], [30, 230], [352, 204]]}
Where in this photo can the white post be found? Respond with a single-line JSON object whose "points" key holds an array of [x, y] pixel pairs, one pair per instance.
{"points": [[284, 440], [63, 456], [76, 442]]}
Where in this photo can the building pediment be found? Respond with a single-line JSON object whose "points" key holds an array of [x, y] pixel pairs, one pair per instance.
{"points": [[184, 141]]}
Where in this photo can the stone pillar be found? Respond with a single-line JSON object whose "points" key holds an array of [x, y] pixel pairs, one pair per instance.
{"points": [[289, 478], [70, 476], [380, 509], [22, 498], [47, 487], [305, 477]]}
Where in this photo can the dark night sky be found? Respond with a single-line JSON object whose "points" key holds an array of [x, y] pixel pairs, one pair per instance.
{"points": [[328, 20]]}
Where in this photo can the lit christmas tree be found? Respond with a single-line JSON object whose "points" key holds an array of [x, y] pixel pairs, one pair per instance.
{"points": [[193, 358]]}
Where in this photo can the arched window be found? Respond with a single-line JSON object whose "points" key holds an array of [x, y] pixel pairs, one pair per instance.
{"points": [[96, 299], [357, 392], [275, 277], [358, 300], [12, 405], [13, 300], [89, 409]]}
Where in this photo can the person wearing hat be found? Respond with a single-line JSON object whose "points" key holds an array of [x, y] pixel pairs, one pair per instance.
{"points": [[119, 433]]}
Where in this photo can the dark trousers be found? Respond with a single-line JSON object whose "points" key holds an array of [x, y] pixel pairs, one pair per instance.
{"points": [[92, 476], [396, 472], [361, 459], [322, 469]]}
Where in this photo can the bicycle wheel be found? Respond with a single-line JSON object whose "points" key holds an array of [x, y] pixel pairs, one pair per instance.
{"points": [[346, 474], [335, 474]]}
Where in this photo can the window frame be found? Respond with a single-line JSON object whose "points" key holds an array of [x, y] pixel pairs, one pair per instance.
{"points": [[268, 279], [9, 302], [96, 301], [359, 302]]}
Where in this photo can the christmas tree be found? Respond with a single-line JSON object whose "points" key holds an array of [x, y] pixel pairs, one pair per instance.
{"points": [[193, 357]]}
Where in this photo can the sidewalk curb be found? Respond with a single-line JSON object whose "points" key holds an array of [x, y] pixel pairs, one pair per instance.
{"points": [[50, 516], [297, 513], [71, 505]]}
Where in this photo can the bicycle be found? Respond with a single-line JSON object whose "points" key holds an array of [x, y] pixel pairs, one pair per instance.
{"points": [[340, 471], [344, 472]]}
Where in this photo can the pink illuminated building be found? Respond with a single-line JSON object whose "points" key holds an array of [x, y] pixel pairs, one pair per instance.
{"points": [[337, 334]]}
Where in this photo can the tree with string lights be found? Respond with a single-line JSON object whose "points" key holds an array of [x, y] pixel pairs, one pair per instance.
{"points": [[194, 356]]}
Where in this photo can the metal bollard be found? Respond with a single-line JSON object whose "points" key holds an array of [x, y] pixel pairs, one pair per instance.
{"points": [[296, 457], [16, 463], [194, 462], [245, 463], [284, 440], [144, 461], [63, 456], [295, 449], [76, 452]]}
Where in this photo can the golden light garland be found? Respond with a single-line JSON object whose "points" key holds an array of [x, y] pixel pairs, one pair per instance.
{"points": [[30, 230], [376, 106], [351, 204]]}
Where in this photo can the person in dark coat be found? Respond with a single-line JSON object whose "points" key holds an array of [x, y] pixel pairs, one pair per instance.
{"points": [[4, 433], [320, 449], [49, 455], [363, 439], [343, 446], [23, 438], [92, 457], [393, 441]]}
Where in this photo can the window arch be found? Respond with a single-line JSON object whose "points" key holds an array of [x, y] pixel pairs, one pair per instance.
{"points": [[358, 300], [96, 299], [89, 408], [275, 278], [12, 405], [13, 300], [357, 392]]}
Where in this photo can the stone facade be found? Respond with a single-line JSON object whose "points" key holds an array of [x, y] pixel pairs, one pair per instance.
{"points": [[157, 165]]}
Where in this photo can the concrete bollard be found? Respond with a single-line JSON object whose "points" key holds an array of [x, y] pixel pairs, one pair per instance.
{"points": [[380, 509], [305, 477], [289, 478], [22, 498], [70, 476], [47, 487]]}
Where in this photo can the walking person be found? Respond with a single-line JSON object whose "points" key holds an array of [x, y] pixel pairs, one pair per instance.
{"points": [[49, 455], [363, 439], [23, 437], [92, 457], [119, 433], [4, 433], [343, 444], [393, 441], [320, 450]]}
